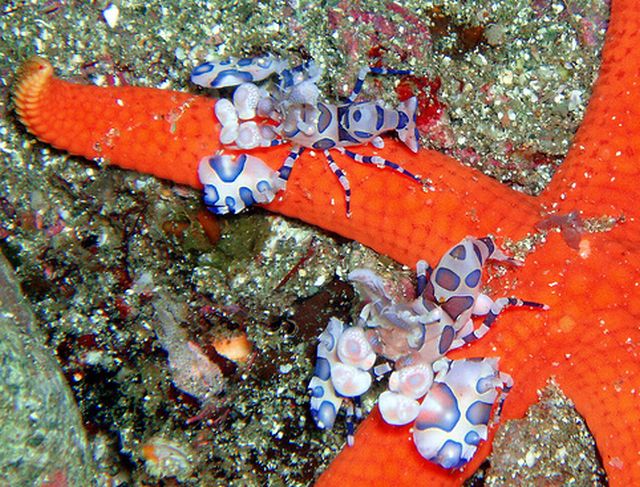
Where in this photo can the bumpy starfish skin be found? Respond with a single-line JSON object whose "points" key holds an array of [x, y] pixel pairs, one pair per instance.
{"points": [[589, 340]]}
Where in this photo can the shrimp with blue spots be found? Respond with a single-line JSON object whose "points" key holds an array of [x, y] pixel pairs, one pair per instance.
{"points": [[288, 111], [454, 415], [450, 401], [455, 286], [233, 71], [231, 184], [344, 358]]}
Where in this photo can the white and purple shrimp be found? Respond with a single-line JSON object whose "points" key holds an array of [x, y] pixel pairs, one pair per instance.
{"points": [[454, 415], [235, 183], [233, 71], [289, 111], [454, 285], [458, 395], [341, 375]]}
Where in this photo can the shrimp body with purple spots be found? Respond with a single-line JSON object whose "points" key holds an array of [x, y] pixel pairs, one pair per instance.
{"points": [[458, 396], [454, 415], [288, 110]]}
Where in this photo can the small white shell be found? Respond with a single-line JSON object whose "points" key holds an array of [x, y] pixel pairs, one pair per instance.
{"points": [[354, 348], [349, 381], [397, 409], [226, 112], [245, 100], [413, 381]]}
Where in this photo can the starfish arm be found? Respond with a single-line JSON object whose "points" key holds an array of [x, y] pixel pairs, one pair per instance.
{"points": [[595, 348], [397, 217], [159, 132], [393, 460], [166, 134], [588, 341], [599, 175], [605, 391]]}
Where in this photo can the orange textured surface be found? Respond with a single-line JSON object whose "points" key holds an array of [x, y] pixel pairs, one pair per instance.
{"points": [[589, 340]]}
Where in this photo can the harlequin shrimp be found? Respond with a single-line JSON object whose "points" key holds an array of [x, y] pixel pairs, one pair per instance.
{"points": [[288, 110], [458, 395], [454, 415], [341, 374]]}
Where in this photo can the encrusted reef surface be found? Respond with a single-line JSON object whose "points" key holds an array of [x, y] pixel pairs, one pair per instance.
{"points": [[42, 436], [141, 295]]}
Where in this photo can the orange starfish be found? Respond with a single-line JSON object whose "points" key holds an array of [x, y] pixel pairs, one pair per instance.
{"points": [[589, 340]]}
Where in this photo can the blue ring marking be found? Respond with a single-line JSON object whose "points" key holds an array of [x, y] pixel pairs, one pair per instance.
{"points": [[246, 195], [489, 243], [473, 278], [331, 341], [403, 120], [317, 391], [325, 415], [202, 69], [458, 252], [245, 61], [380, 117], [263, 186], [211, 195], [483, 384], [478, 253], [345, 136], [444, 415], [446, 338], [375, 70], [472, 438], [357, 115], [358, 86], [479, 413], [322, 369], [362, 135], [286, 79], [225, 62], [324, 144], [447, 279], [284, 172], [325, 117], [450, 455], [429, 293], [346, 122], [292, 134], [393, 165]]}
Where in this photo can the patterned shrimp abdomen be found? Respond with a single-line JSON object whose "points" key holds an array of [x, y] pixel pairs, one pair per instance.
{"points": [[455, 413], [455, 281]]}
